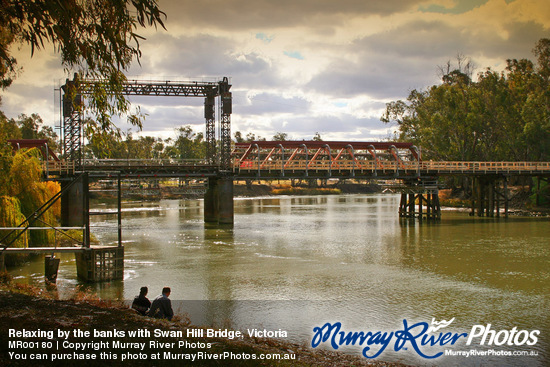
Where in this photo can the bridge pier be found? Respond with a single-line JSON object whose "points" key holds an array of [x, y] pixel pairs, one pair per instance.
{"points": [[75, 205], [218, 201], [488, 193], [428, 200], [100, 264], [95, 264]]}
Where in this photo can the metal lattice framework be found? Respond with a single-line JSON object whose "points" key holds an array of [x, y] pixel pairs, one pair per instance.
{"points": [[341, 159], [325, 158], [72, 103]]}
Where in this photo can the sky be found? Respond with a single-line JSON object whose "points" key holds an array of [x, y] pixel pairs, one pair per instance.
{"points": [[302, 66]]}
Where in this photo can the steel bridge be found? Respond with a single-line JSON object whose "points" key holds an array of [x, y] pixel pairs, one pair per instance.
{"points": [[398, 162], [304, 159], [225, 162], [368, 160]]}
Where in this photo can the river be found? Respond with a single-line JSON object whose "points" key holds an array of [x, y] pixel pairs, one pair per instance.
{"points": [[296, 262]]}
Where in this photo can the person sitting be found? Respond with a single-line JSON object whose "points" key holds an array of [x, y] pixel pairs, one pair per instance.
{"points": [[141, 303], [162, 306]]}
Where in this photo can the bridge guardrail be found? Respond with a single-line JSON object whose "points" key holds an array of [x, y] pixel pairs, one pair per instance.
{"points": [[427, 166], [142, 162], [68, 167], [59, 167]]}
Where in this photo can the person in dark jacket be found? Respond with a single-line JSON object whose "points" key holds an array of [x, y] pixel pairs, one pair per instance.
{"points": [[162, 306], [141, 303]]}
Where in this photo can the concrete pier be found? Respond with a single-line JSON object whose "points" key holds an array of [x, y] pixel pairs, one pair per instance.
{"points": [[225, 201], [75, 205], [211, 205], [218, 201]]}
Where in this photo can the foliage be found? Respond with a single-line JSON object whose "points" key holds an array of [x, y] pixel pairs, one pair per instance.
{"points": [[31, 127], [188, 145], [25, 185], [280, 136], [96, 38], [501, 116], [289, 190], [185, 145], [21, 188], [541, 192], [249, 137], [10, 216]]}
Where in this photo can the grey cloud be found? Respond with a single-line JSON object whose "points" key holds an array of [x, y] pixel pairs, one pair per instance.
{"points": [[206, 55], [36, 98], [245, 14], [391, 64], [172, 118], [268, 103], [166, 102], [522, 37], [305, 126]]}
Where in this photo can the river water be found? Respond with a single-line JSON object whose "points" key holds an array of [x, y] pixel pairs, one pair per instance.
{"points": [[297, 262]]}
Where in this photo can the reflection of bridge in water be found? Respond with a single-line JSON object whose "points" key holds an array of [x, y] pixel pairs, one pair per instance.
{"points": [[402, 163]]}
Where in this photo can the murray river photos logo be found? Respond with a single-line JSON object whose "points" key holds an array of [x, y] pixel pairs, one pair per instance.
{"points": [[418, 336]]}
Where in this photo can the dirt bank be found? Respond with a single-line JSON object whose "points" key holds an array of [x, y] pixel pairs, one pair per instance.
{"points": [[29, 308]]}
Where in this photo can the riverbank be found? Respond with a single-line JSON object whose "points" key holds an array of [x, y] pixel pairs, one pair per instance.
{"points": [[268, 189], [24, 307], [242, 189]]}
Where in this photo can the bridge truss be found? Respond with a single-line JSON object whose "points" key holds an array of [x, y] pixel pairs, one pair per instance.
{"points": [[74, 90], [381, 160]]}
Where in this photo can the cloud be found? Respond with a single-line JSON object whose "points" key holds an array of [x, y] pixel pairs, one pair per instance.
{"points": [[206, 56], [263, 14], [269, 103], [390, 64], [304, 66], [456, 7], [387, 65]]}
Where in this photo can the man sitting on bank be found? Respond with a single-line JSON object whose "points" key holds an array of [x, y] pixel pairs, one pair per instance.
{"points": [[162, 306], [141, 303]]}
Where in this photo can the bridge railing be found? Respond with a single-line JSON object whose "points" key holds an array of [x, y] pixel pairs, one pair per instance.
{"points": [[61, 167], [474, 167], [142, 162], [370, 165]]}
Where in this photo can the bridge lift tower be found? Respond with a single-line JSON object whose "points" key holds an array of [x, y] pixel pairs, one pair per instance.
{"points": [[218, 203], [73, 90]]}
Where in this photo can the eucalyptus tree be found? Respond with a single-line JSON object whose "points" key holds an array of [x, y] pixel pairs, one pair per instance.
{"points": [[499, 116], [97, 39]]}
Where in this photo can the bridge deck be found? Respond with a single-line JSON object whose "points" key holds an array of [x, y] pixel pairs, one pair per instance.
{"points": [[403, 168], [274, 167]]}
